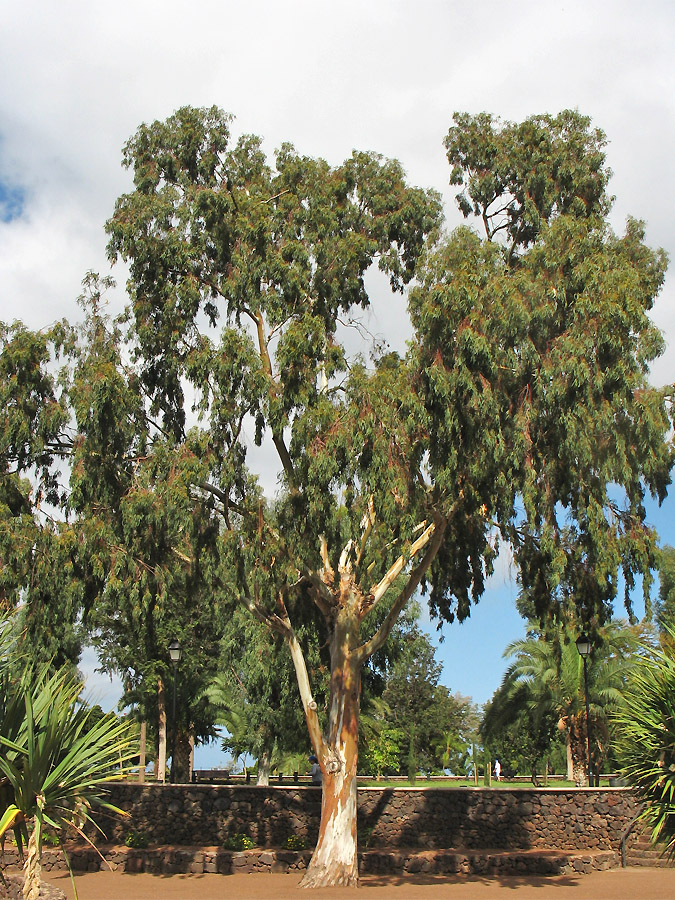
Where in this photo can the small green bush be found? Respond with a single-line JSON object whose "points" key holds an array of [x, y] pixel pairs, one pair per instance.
{"points": [[238, 842], [295, 842], [50, 839], [137, 839]]}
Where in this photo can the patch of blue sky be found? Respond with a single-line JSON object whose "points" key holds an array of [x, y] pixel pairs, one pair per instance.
{"points": [[12, 201]]}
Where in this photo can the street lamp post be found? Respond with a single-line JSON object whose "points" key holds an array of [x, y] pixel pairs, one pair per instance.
{"points": [[175, 652], [584, 648]]}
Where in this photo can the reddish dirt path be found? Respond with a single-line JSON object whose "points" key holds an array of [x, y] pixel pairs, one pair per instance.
{"points": [[615, 884]]}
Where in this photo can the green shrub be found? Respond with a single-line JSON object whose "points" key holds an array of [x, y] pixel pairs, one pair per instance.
{"points": [[137, 839], [50, 839], [238, 842], [295, 842]]}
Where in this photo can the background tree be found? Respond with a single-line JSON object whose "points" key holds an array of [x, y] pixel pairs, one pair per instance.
{"points": [[146, 548], [665, 611], [523, 400], [426, 716], [36, 549], [518, 739], [256, 692], [546, 680], [454, 750]]}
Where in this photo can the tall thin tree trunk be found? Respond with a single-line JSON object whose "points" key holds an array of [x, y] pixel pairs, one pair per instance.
{"points": [[192, 753], [570, 760], [161, 738], [142, 752]]}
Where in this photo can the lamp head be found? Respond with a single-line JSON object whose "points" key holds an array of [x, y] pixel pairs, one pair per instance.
{"points": [[583, 645]]}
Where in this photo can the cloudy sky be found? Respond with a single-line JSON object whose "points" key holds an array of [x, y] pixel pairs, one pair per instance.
{"points": [[79, 76]]}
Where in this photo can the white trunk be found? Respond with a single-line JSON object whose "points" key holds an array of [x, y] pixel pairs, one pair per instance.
{"points": [[142, 752], [335, 859], [264, 769], [161, 740]]}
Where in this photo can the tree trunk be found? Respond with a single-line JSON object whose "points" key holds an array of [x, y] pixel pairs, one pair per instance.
{"points": [[335, 859], [264, 762], [142, 752], [181, 764], [412, 755], [32, 867], [570, 761], [576, 753], [161, 732]]}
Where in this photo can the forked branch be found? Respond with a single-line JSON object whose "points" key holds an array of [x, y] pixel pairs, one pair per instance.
{"points": [[431, 538]]}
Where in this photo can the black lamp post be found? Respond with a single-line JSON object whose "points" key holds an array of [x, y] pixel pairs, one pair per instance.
{"points": [[584, 648], [175, 652]]}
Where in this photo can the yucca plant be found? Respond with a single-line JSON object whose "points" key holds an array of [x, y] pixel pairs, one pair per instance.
{"points": [[646, 738], [55, 759]]}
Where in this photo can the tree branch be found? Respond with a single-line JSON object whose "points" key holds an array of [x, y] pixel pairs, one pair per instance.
{"points": [[432, 536], [308, 701]]}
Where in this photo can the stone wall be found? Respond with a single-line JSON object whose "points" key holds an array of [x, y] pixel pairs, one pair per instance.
{"points": [[205, 815]]}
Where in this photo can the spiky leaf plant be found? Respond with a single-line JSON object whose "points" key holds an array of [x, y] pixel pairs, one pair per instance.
{"points": [[646, 738]]}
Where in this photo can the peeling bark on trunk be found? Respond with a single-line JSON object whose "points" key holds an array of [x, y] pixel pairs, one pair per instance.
{"points": [[335, 859]]}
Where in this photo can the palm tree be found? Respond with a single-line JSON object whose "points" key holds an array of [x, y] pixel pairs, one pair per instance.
{"points": [[57, 754], [546, 678], [646, 735]]}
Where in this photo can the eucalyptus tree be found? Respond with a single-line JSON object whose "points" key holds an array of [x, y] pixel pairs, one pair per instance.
{"points": [[145, 553], [519, 414], [37, 548], [665, 611], [256, 692]]}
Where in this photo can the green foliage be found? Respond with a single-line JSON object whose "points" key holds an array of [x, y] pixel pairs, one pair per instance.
{"points": [[544, 686], [255, 695], [646, 737], [522, 742], [295, 842], [430, 726], [137, 839], [520, 414], [382, 751], [238, 841], [665, 611], [57, 756], [519, 176]]}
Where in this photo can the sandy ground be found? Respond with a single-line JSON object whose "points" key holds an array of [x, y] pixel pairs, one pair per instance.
{"points": [[615, 884]]}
